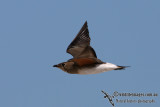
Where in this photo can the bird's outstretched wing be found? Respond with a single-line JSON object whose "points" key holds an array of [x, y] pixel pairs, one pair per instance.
{"points": [[80, 46]]}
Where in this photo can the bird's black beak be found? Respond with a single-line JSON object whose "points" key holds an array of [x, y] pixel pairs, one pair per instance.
{"points": [[55, 65]]}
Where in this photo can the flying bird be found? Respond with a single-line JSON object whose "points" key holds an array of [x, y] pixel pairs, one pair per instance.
{"points": [[84, 59]]}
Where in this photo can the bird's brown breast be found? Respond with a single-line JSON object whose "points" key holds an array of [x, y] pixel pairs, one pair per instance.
{"points": [[84, 61]]}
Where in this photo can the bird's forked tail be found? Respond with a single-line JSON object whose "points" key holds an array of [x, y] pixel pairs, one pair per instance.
{"points": [[121, 67]]}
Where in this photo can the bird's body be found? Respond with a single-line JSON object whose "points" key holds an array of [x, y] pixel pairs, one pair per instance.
{"points": [[84, 59], [98, 68]]}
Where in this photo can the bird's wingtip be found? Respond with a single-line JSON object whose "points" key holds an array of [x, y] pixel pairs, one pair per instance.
{"points": [[86, 22]]}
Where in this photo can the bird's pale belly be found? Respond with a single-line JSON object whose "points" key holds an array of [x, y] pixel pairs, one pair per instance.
{"points": [[97, 69]]}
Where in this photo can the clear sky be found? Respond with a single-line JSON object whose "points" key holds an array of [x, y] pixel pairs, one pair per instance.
{"points": [[34, 35]]}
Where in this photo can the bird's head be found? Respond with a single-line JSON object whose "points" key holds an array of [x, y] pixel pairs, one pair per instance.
{"points": [[65, 66]]}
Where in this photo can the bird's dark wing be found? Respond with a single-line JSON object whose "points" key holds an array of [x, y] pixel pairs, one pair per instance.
{"points": [[80, 46]]}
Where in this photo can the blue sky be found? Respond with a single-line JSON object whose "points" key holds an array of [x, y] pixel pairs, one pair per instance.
{"points": [[34, 35]]}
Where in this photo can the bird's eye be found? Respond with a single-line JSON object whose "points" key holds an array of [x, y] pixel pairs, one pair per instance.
{"points": [[63, 64]]}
